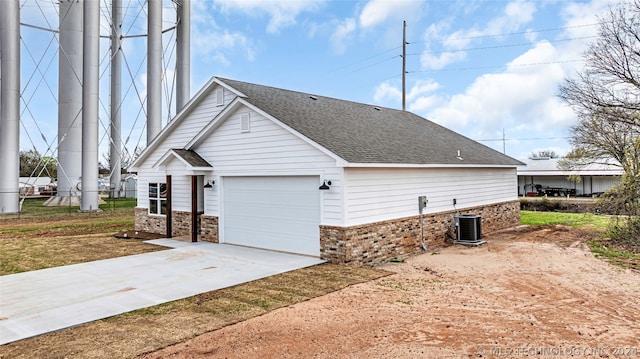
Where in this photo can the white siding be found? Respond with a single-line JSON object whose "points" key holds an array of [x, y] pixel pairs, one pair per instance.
{"points": [[376, 194], [268, 150], [200, 116], [604, 183]]}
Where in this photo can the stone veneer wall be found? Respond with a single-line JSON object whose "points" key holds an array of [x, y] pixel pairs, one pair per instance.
{"points": [[181, 224], [209, 228], [145, 222], [373, 243]]}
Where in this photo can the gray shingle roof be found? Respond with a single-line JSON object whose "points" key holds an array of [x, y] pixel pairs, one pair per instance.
{"points": [[361, 133], [191, 157]]}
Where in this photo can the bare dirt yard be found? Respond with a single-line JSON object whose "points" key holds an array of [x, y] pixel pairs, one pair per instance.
{"points": [[528, 292]]}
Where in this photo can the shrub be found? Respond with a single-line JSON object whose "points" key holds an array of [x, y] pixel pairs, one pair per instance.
{"points": [[625, 232]]}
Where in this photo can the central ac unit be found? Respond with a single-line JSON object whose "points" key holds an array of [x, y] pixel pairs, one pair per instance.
{"points": [[469, 229]]}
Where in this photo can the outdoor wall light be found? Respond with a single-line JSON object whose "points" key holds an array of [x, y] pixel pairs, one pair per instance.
{"points": [[209, 184], [325, 185]]}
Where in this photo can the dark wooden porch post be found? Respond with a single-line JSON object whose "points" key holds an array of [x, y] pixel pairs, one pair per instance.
{"points": [[194, 208], [169, 218]]}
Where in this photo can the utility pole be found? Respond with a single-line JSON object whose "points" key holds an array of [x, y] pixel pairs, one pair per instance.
{"points": [[404, 65], [504, 146]]}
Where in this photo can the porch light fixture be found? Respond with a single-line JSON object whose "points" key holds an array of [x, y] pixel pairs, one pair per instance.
{"points": [[209, 184], [325, 185]]}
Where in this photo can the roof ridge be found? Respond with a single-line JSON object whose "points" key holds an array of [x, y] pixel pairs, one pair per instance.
{"points": [[225, 80]]}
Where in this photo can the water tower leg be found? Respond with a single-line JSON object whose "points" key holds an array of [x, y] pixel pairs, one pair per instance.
{"points": [[90, 103], [115, 152], [154, 69], [183, 55], [9, 106], [69, 105]]}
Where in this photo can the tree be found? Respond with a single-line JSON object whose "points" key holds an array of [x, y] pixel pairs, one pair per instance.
{"points": [[606, 98], [32, 164], [609, 84]]}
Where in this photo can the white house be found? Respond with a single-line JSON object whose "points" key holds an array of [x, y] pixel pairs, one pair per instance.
{"points": [[543, 172], [271, 168]]}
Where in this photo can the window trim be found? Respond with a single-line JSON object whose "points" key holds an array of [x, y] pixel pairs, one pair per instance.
{"points": [[157, 202]]}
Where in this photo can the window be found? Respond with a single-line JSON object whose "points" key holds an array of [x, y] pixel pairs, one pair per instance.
{"points": [[158, 198]]}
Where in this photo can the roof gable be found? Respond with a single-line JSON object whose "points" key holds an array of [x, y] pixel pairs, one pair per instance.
{"points": [[361, 133], [191, 160], [179, 118], [238, 103]]}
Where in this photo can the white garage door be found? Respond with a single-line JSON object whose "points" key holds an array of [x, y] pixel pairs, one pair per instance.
{"points": [[279, 213]]}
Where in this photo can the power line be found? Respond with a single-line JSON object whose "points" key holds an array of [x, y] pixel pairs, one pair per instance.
{"points": [[369, 58], [522, 139], [499, 46], [471, 49], [514, 33], [497, 67]]}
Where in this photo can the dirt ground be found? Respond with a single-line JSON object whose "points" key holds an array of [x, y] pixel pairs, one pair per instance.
{"points": [[528, 292]]}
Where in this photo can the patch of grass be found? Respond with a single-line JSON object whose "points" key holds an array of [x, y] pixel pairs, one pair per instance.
{"points": [[45, 237], [150, 329], [620, 257], [603, 249], [33, 208], [569, 219], [23, 255]]}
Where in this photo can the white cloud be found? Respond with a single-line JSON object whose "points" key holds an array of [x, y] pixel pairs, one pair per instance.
{"points": [[213, 42], [378, 11], [281, 13], [422, 87], [387, 92], [514, 15], [521, 99], [343, 31], [420, 96]]}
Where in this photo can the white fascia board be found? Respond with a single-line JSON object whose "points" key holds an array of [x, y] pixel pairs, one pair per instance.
{"points": [[194, 172], [177, 119], [223, 84], [430, 165], [166, 158], [169, 155], [227, 111]]}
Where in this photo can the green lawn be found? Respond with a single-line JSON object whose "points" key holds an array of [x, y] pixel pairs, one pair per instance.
{"points": [[569, 219], [601, 247]]}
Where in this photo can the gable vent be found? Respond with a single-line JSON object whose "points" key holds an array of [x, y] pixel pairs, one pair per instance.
{"points": [[219, 97], [245, 122]]}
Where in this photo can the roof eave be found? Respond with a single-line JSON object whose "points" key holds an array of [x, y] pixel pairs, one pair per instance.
{"points": [[193, 102], [428, 165]]}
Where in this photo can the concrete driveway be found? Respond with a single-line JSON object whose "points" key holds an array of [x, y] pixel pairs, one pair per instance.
{"points": [[38, 302]]}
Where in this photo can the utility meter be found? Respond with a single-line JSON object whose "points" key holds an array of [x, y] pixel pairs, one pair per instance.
{"points": [[422, 203]]}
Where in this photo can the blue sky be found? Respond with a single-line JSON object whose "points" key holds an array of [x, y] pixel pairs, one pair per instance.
{"points": [[476, 67]]}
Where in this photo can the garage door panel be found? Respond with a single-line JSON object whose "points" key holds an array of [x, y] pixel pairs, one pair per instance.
{"points": [[279, 213]]}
